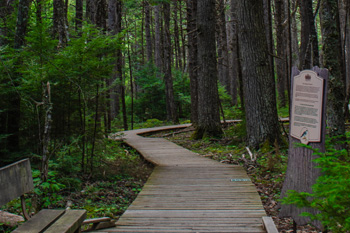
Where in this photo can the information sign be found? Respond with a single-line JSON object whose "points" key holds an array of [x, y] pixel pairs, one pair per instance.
{"points": [[307, 102]]}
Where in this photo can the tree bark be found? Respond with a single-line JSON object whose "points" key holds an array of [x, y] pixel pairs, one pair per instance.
{"points": [[60, 28], [168, 79], [269, 34], [158, 44], [281, 46], [332, 60], [6, 9], [78, 15], [117, 93], [258, 82], [234, 52], [177, 37], [192, 57], [101, 14], [208, 102], [222, 47], [14, 100], [47, 131], [309, 55], [114, 26], [294, 32], [183, 39], [347, 52], [148, 31]]}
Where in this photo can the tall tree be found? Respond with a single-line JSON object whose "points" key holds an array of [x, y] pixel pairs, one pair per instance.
{"points": [[157, 42], [148, 31], [14, 99], [101, 14], [116, 82], [281, 45], [258, 82], [168, 79], [6, 8], [78, 14], [333, 61], [208, 101], [60, 28], [222, 47], [269, 32], [192, 57], [309, 56], [233, 46], [177, 47], [294, 33]]}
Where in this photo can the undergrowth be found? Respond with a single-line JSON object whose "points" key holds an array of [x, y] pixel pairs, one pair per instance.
{"points": [[118, 178]]}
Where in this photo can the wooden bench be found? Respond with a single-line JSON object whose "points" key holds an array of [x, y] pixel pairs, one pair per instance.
{"points": [[15, 181]]}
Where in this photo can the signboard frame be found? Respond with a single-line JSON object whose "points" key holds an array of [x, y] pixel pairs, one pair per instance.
{"points": [[307, 107]]}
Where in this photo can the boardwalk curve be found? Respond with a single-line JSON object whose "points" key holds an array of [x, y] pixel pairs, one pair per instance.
{"points": [[189, 193]]}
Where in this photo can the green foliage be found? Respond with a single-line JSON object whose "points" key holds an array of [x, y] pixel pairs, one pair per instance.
{"points": [[182, 93], [330, 193], [150, 102], [47, 191], [150, 123], [283, 112]]}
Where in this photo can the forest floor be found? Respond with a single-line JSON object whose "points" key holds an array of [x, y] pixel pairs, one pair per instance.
{"points": [[267, 171]]}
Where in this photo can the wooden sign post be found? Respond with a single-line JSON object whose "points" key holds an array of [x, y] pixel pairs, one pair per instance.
{"points": [[308, 126]]}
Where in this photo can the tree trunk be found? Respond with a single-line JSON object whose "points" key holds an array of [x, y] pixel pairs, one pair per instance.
{"points": [[177, 37], [302, 172], [332, 60], [294, 32], [3, 17], [183, 39], [208, 102], [168, 79], [157, 44], [192, 57], [281, 46], [258, 82], [222, 47], [347, 53], [269, 34], [47, 130], [114, 26], [101, 14], [233, 52], [309, 44], [78, 15], [89, 11], [14, 100], [6, 9], [59, 23], [148, 31]]}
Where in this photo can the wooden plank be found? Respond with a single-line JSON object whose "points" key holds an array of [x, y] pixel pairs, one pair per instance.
{"points": [[69, 222], [96, 220], [269, 225], [40, 221], [15, 180], [192, 221]]}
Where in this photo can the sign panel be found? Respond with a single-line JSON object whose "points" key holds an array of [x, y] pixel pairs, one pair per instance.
{"points": [[307, 102]]}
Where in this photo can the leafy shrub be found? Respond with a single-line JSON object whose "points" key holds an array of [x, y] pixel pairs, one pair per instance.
{"points": [[48, 191], [331, 193]]}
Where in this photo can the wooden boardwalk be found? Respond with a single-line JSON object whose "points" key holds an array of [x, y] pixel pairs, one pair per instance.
{"points": [[189, 193]]}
